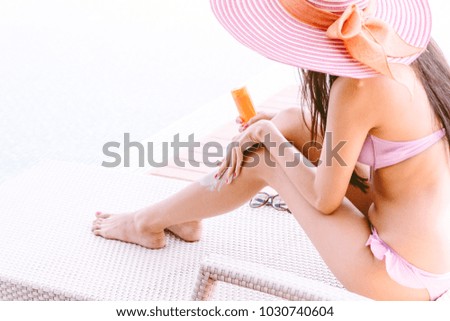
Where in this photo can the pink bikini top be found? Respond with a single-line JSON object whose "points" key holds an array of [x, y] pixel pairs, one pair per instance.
{"points": [[380, 153]]}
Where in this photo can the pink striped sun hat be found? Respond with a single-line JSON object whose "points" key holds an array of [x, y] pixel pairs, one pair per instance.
{"points": [[350, 38]]}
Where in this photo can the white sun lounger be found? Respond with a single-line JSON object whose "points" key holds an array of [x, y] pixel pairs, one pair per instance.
{"points": [[49, 253]]}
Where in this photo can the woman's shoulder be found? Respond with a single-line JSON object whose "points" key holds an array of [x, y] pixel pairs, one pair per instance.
{"points": [[379, 91], [403, 80], [360, 93]]}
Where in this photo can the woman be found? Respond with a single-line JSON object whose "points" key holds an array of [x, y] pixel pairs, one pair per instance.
{"points": [[383, 101]]}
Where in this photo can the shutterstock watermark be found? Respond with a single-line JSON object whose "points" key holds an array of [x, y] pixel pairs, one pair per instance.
{"points": [[120, 154]]}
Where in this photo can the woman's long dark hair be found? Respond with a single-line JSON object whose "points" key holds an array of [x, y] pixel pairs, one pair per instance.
{"points": [[431, 68]]}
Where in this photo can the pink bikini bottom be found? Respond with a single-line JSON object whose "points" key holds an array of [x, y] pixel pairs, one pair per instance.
{"points": [[404, 272]]}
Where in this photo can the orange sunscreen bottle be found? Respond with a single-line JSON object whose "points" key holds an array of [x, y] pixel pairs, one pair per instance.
{"points": [[243, 104]]}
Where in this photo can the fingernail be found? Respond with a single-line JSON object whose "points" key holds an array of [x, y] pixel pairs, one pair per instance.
{"points": [[98, 212], [234, 176]]}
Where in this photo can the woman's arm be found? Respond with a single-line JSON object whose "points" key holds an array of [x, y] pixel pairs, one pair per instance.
{"points": [[351, 114]]}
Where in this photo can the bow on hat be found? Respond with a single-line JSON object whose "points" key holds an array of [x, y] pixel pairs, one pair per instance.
{"points": [[367, 39]]}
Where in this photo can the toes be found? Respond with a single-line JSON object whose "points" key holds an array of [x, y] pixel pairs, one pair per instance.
{"points": [[97, 223], [98, 220], [96, 226], [98, 232], [102, 215]]}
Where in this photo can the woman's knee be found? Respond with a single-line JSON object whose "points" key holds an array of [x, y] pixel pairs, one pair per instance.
{"points": [[295, 126], [290, 123]]}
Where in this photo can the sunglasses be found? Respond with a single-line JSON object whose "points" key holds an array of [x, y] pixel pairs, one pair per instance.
{"points": [[264, 199]]}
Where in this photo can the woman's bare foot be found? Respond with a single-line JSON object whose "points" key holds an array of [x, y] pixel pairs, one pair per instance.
{"points": [[189, 232], [125, 227]]}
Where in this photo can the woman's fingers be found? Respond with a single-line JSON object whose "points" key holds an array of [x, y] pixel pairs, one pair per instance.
{"points": [[254, 119], [259, 116], [226, 162], [239, 162], [244, 127], [233, 164], [222, 169], [237, 159]]}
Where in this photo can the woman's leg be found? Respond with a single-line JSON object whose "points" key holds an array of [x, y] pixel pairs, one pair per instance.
{"points": [[291, 124], [186, 207], [295, 128], [340, 238]]}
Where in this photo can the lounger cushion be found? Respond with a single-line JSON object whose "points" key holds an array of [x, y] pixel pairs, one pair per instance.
{"points": [[49, 253]]}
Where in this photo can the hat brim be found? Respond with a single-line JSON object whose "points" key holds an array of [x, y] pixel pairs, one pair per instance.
{"points": [[266, 27]]}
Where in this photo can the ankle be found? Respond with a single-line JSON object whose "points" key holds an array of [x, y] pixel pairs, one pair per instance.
{"points": [[147, 221]]}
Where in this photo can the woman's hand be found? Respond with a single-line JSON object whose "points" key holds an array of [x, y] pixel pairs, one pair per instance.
{"points": [[231, 166], [259, 116]]}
